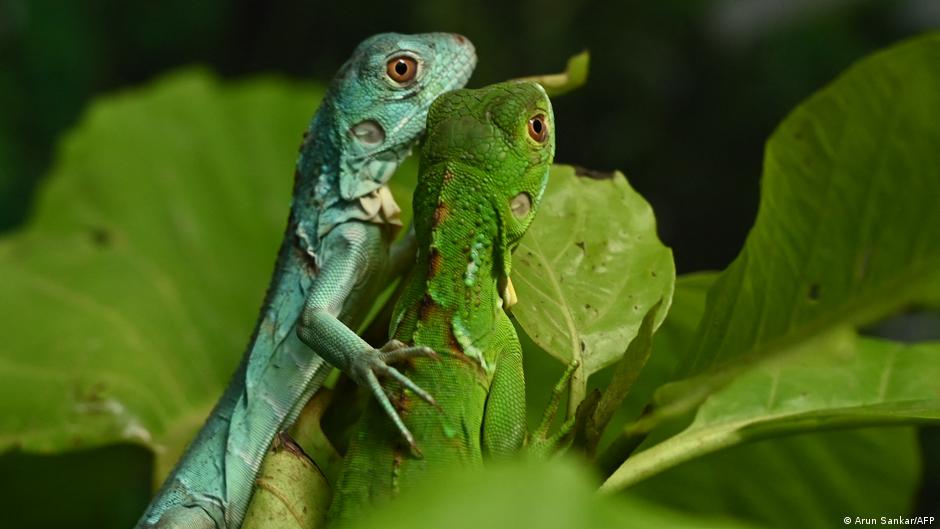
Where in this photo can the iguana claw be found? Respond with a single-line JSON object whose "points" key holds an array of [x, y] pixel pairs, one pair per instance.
{"points": [[374, 363]]}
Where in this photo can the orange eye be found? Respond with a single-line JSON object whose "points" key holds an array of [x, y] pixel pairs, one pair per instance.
{"points": [[401, 69], [538, 128]]}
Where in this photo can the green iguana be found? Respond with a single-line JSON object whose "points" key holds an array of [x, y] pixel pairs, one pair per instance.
{"points": [[333, 258], [484, 166]]}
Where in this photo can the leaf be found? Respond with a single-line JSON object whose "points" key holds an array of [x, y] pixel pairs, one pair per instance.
{"points": [[669, 342], [403, 187], [586, 277], [807, 480], [557, 494], [677, 332], [626, 372], [848, 230], [837, 380], [130, 295]]}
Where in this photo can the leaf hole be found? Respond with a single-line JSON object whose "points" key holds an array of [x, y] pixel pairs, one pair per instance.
{"points": [[100, 237], [813, 293]]}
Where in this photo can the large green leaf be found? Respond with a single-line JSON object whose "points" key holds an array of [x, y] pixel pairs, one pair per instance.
{"points": [[867, 228], [546, 496], [589, 270], [848, 229], [807, 480], [131, 293], [837, 380]]}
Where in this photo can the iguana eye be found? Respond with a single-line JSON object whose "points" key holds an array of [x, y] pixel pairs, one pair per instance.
{"points": [[402, 69], [521, 204], [538, 128]]}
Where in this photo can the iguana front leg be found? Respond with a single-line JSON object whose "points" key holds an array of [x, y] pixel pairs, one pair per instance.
{"points": [[504, 419], [504, 422], [350, 254]]}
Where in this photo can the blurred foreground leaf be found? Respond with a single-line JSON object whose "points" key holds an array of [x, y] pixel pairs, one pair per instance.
{"points": [[551, 495]]}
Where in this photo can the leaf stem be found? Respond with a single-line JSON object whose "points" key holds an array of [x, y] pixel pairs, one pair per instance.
{"points": [[667, 454], [577, 390]]}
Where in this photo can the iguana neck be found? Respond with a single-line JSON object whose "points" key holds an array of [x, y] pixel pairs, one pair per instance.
{"points": [[327, 161], [457, 235]]}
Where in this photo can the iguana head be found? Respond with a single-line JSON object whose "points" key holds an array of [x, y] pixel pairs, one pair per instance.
{"points": [[381, 98], [504, 135], [496, 145]]}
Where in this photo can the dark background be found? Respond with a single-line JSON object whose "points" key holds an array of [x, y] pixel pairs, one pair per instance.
{"points": [[682, 93], [681, 97]]}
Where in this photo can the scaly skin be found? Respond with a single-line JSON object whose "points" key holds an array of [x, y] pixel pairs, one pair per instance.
{"points": [[332, 261], [478, 162]]}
